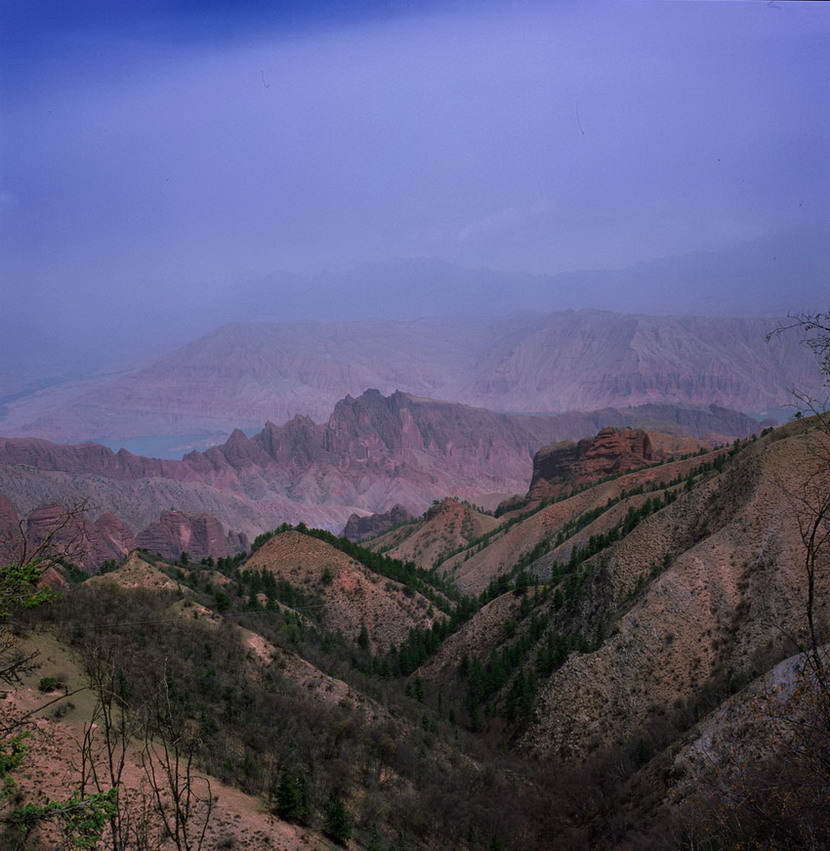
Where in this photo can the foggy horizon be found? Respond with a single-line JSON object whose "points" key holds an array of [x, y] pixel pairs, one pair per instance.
{"points": [[158, 161]]}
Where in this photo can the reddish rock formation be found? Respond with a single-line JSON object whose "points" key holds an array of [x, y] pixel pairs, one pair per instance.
{"points": [[359, 527], [568, 464], [71, 535], [88, 458], [10, 536], [54, 579], [199, 535], [112, 539], [55, 531], [374, 451]]}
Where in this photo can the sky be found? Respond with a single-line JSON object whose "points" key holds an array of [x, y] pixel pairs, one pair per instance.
{"points": [[153, 155]]}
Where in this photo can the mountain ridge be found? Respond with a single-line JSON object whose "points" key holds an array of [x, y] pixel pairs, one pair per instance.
{"points": [[240, 376], [372, 453]]}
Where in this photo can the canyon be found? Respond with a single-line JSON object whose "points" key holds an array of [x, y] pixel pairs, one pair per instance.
{"points": [[622, 624], [374, 452], [604, 600]]}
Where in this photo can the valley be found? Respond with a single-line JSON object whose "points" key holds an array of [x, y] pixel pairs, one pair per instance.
{"points": [[373, 452], [615, 613], [521, 605], [414, 426]]}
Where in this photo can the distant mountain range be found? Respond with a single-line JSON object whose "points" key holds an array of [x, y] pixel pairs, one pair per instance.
{"points": [[243, 375], [79, 332], [374, 451]]}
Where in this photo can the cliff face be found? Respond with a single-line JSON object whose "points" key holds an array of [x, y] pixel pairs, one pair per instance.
{"points": [[87, 458], [585, 359], [60, 532], [73, 535], [9, 531], [198, 535], [111, 539], [359, 527], [568, 464], [373, 451]]}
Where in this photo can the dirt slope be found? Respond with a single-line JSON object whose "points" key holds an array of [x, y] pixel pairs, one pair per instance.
{"points": [[473, 569], [50, 769], [449, 525], [350, 594], [733, 596]]}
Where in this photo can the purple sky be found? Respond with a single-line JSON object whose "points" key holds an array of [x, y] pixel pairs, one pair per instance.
{"points": [[171, 149]]}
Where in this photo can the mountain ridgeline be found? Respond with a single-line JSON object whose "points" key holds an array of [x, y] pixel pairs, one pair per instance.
{"points": [[374, 452], [602, 629], [616, 629]]}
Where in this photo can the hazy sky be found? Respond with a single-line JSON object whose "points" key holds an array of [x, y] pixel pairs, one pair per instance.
{"points": [[174, 146]]}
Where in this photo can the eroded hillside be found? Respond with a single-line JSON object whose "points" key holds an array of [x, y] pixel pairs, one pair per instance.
{"points": [[373, 452], [611, 634], [242, 375]]}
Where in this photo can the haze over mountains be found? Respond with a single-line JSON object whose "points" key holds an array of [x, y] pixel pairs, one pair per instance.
{"points": [[490, 288], [780, 272], [98, 330], [242, 375]]}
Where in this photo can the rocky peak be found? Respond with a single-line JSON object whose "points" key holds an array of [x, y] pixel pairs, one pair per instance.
{"points": [[359, 527], [200, 535], [237, 436], [298, 439], [567, 464], [371, 425]]}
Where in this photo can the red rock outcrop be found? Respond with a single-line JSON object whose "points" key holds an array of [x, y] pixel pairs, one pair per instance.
{"points": [[374, 451], [60, 532], [199, 535], [50, 530], [72, 535], [10, 537], [88, 458], [54, 579], [359, 527], [568, 464], [112, 539]]}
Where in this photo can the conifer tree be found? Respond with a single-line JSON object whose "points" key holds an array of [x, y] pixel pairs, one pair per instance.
{"points": [[338, 820], [293, 796]]}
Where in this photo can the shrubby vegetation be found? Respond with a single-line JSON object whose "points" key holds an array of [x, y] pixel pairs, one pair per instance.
{"points": [[426, 582], [433, 769], [317, 764]]}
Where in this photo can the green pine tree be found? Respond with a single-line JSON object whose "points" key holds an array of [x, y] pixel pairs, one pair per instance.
{"points": [[338, 820], [293, 796]]}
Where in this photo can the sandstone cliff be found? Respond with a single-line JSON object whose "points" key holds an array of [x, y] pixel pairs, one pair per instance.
{"points": [[76, 535], [199, 535], [611, 451], [358, 527], [373, 452]]}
